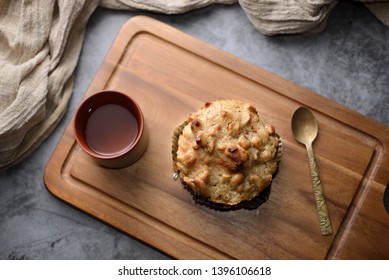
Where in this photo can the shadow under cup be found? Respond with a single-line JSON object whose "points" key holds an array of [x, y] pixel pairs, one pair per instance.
{"points": [[109, 126]]}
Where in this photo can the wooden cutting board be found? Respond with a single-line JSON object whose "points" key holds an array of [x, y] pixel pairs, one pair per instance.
{"points": [[171, 74]]}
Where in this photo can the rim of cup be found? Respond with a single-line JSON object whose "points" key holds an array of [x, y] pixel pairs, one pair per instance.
{"points": [[96, 100]]}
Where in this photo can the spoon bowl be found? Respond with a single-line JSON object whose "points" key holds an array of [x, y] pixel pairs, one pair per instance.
{"points": [[305, 129], [304, 126]]}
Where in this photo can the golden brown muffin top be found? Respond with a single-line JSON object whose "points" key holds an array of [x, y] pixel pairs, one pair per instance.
{"points": [[226, 152]]}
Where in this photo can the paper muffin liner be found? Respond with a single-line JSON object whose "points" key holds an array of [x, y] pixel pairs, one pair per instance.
{"points": [[201, 200]]}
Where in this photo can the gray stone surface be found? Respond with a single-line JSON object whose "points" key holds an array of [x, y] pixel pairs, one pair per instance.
{"points": [[348, 63]]}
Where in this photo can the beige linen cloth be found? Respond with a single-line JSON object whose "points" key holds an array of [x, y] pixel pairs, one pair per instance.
{"points": [[40, 43]]}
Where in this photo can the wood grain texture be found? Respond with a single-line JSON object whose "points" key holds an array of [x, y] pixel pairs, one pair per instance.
{"points": [[171, 74]]}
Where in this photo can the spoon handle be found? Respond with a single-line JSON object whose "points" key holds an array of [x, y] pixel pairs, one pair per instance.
{"points": [[321, 206]]}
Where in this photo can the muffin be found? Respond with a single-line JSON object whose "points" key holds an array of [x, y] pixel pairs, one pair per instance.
{"points": [[226, 155]]}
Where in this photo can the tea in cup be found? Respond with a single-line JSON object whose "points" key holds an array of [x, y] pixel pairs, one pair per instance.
{"points": [[109, 126]]}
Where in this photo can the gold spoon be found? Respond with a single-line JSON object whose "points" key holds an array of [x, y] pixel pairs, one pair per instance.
{"points": [[305, 128]]}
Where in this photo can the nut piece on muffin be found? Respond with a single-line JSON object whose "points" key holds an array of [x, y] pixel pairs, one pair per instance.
{"points": [[226, 155]]}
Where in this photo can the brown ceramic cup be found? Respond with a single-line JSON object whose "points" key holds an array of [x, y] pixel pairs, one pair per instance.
{"points": [[109, 126]]}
